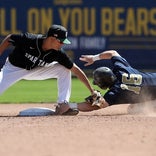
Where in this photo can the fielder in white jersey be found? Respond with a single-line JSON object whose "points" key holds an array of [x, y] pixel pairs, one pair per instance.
{"points": [[39, 57]]}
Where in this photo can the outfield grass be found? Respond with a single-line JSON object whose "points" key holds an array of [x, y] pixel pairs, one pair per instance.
{"points": [[42, 92]]}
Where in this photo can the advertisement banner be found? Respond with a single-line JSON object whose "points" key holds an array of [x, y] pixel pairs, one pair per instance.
{"points": [[94, 26]]}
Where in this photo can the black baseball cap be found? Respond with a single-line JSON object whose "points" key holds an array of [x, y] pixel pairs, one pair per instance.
{"points": [[59, 32]]}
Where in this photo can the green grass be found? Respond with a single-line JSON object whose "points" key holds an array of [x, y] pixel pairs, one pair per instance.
{"points": [[42, 92]]}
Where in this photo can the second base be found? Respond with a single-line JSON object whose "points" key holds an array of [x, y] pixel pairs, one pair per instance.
{"points": [[37, 111]]}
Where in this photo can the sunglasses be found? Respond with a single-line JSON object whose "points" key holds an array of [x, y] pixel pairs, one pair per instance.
{"points": [[61, 42]]}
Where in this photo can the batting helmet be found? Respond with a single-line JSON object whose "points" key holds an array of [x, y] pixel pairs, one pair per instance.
{"points": [[103, 77]]}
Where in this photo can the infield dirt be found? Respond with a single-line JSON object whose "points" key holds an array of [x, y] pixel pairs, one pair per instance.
{"points": [[106, 132]]}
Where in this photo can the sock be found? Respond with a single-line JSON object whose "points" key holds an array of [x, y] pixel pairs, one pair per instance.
{"points": [[73, 105]]}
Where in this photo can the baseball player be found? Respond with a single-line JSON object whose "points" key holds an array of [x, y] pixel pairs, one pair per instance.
{"points": [[39, 57], [124, 84]]}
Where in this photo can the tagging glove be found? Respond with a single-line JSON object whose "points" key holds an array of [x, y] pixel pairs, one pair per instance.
{"points": [[96, 99]]}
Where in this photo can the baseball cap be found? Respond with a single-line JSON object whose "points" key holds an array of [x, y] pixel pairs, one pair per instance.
{"points": [[59, 32]]}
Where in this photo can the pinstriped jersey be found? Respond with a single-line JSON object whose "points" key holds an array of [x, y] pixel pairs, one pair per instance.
{"points": [[28, 52], [131, 85]]}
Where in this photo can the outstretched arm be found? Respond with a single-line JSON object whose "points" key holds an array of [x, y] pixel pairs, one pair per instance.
{"points": [[83, 78], [83, 107], [5, 44], [90, 59], [87, 107], [91, 103]]}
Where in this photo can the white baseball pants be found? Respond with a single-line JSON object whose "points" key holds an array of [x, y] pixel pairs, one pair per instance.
{"points": [[10, 74]]}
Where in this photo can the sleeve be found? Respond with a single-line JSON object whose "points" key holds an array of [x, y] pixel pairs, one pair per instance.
{"points": [[110, 98], [17, 39], [116, 96], [119, 61], [64, 60]]}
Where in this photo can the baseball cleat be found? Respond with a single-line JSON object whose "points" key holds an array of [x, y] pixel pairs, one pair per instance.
{"points": [[71, 112], [64, 109]]}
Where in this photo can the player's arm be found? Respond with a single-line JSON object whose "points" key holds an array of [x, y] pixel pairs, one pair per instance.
{"points": [[90, 59], [5, 44], [93, 102], [86, 107], [81, 75]]}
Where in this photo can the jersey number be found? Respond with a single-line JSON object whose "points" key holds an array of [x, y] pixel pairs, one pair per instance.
{"points": [[132, 79]]}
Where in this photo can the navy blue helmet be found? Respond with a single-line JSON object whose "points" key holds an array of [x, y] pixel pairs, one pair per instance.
{"points": [[103, 77]]}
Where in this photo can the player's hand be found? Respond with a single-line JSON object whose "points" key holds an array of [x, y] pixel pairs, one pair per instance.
{"points": [[96, 99], [88, 59]]}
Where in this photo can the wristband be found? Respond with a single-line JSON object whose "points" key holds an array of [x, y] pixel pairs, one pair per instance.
{"points": [[96, 57]]}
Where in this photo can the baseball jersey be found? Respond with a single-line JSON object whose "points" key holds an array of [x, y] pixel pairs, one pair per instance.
{"points": [[131, 85], [28, 52]]}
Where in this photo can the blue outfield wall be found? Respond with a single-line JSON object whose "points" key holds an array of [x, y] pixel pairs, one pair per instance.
{"points": [[126, 26]]}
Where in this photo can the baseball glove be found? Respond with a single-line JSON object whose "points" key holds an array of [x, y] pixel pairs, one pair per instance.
{"points": [[96, 99]]}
